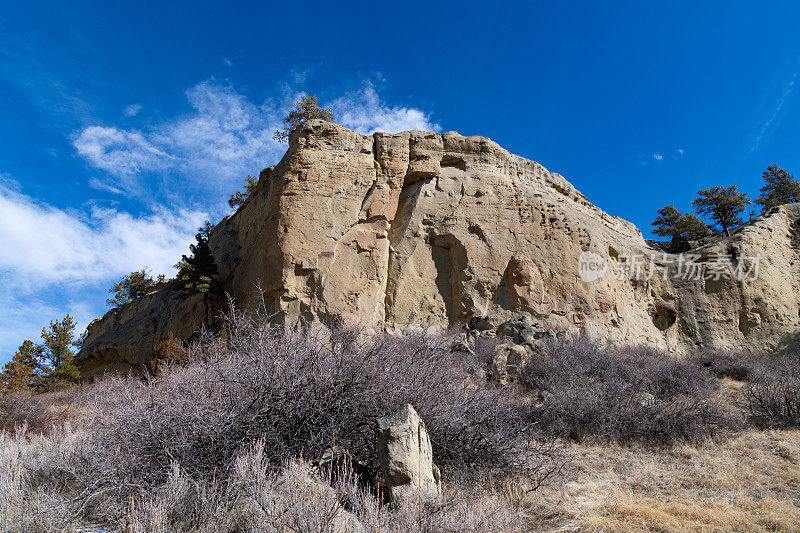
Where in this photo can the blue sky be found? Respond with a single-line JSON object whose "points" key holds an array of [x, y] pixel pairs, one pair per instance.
{"points": [[123, 128]]}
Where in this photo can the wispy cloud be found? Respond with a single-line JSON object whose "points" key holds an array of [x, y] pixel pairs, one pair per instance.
{"points": [[662, 157], [226, 136], [132, 110], [221, 140], [778, 97], [120, 152], [51, 259], [100, 185], [227, 62], [41, 245], [364, 111]]}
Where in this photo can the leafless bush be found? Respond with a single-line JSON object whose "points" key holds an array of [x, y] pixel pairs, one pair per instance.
{"points": [[772, 398], [623, 394], [38, 412], [31, 498], [301, 393], [774, 404], [741, 366]]}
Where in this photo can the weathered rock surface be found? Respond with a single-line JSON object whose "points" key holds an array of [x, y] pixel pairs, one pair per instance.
{"points": [[418, 228], [522, 330], [406, 457], [337, 463], [508, 361]]}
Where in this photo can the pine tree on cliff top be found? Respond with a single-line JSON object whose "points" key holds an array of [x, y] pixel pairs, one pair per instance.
{"points": [[132, 287], [723, 205], [779, 188], [306, 109]]}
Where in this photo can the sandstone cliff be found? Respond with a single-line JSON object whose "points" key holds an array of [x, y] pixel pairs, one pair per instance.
{"points": [[424, 228]]}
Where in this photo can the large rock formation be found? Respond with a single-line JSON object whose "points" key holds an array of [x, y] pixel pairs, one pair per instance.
{"points": [[420, 228]]}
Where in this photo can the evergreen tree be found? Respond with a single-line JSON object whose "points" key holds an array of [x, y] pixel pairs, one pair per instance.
{"points": [[723, 205], [196, 273], [238, 198], [676, 225], [132, 286], [18, 374], [693, 228], [779, 188], [306, 109], [666, 224], [55, 366]]}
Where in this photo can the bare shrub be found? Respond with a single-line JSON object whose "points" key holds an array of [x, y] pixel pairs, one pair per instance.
{"points": [[180, 505], [772, 398], [36, 495], [31, 499], [737, 365], [38, 412], [259, 498], [624, 394], [774, 404], [301, 393]]}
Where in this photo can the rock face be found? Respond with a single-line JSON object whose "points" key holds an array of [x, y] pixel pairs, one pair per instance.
{"points": [[405, 455], [507, 362], [419, 228]]}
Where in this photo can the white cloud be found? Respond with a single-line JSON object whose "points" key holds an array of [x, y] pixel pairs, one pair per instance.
{"points": [[101, 185], [132, 110], [52, 260], [227, 61], [41, 245], [658, 157], [364, 111], [120, 152], [223, 139], [226, 136], [775, 115]]}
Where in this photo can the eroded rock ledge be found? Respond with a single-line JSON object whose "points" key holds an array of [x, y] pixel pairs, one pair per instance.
{"points": [[420, 228]]}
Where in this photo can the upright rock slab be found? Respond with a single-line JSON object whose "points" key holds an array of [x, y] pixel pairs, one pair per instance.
{"points": [[406, 457]]}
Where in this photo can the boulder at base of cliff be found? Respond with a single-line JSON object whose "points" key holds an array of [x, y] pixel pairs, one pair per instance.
{"points": [[406, 457]]}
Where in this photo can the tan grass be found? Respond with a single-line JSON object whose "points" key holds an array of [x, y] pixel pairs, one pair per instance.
{"points": [[747, 483]]}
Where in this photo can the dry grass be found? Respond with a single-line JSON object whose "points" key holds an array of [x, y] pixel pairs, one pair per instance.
{"points": [[217, 444], [257, 498], [750, 482]]}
